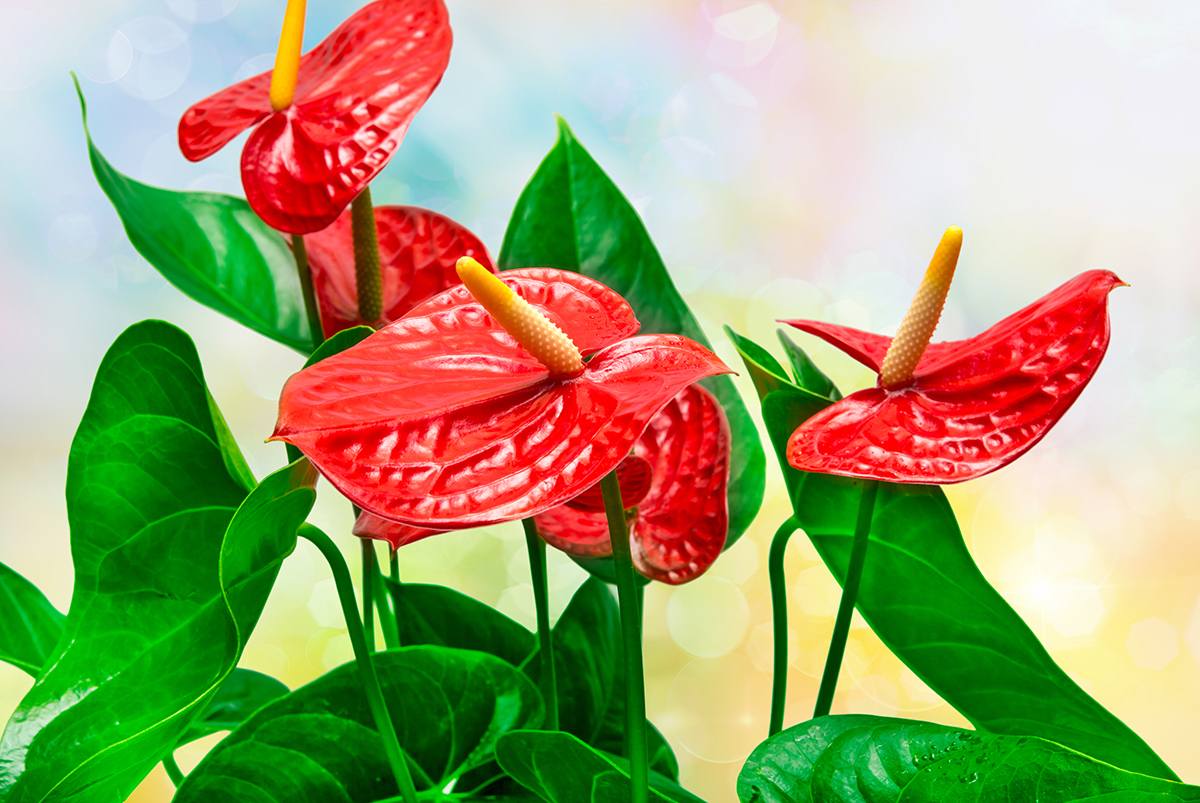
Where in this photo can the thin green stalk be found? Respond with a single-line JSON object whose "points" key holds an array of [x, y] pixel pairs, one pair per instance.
{"points": [[367, 272], [366, 669], [368, 591], [631, 634], [779, 618], [395, 571], [841, 627], [173, 772], [300, 253], [541, 598], [387, 617]]}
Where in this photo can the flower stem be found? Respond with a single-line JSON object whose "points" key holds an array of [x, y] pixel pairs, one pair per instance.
{"points": [[366, 669], [368, 592], [631, 634], [173, 772], [395, 574], [367, 272], [779, 618], [300, 253], [841, 627], [383, 604], [541, 598]]}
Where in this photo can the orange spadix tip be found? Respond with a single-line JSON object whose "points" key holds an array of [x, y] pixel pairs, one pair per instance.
{"points": [[287, 57], [548, 344], [916, 330]]}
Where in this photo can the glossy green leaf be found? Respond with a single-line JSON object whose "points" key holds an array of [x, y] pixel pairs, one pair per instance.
{"points": [[429, 614], [319, 743], [865, 759], [765, 371], [560, 768], [29, 625], [243, 692], [808, 375], [928, 602], [213, 248], [572, 216], [173, 563]]}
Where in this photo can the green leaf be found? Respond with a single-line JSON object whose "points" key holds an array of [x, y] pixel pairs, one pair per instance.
{"points": [[865, 759], [319, 742], [808, 375], [560, 768], [437, 615], [928, 602], [243, 692], [29, 625], [571, 216], [212, 247], [173, 563], [765, 371]]}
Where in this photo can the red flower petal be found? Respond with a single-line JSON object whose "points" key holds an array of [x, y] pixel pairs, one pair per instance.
{"points": [[368, 525], [866, 347], [417, 252], [974, 407], [441, 420], [680, 526], [356, 94], [634, 476]]}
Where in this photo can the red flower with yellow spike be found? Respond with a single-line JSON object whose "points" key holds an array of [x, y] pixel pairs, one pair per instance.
{"points": [[952, 411], [328, 121], [477, 407]]}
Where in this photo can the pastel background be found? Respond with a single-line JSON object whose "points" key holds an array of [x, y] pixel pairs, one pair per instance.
{"points": [[794, 159]]}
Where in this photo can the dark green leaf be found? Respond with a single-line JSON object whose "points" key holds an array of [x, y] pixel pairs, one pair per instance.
{"points": [[765, 371], [319, 742], [243, 692], [213, 248], [572, 216], [927, 601], [173, 563], [29, 625], [438, 615], [560, 768], [864, 759], [808, 375]]}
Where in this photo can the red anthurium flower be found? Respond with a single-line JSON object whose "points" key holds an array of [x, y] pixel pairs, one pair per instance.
{"points": [[417, 252], [444, 420], [673, 485], [967, 407], [355, 95]]}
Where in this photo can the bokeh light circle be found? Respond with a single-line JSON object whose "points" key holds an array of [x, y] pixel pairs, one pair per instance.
{"points": [[105, 55], [719, 708], [708, 617]]}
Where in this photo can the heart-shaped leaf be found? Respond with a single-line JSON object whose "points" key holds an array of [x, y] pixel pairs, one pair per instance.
{"points": [[429, 614], [319, 743], [572, 216], [174, 560], [29, 625], [243, 692], [865, 759], [213, 248], [560, 768], [928, 602]]}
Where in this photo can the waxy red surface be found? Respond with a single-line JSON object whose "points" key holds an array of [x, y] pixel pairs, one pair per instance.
{"points": [[442, 420], [356, 94], [973, 405], [678, 527], [417, 252]]}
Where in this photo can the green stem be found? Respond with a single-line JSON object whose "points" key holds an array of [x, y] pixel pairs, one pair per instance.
{"points": [[841, 627], [300, 253], [368, 592], [387, 617], [366, 669], [779, 618], [367, 272], [395, 572], [631, 634], [173, 771], [541, 598]]}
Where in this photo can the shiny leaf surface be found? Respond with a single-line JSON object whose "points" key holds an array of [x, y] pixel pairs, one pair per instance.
{"points": [[29, 625], [240, 695], [572, 216], [679, 527], [927, 601], [973, 405], [440, 616], [417, 252], [865, 759], [441, 420], [356, 94], [560, 768], [319, 742], [174, 558], [765, 371], [213, 248], [808, 375]]}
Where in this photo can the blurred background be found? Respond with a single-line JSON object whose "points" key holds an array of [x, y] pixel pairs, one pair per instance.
{"points": [[790, 159]]}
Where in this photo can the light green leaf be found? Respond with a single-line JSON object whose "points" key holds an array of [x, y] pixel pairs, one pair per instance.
{"points": [[29, 625]]}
